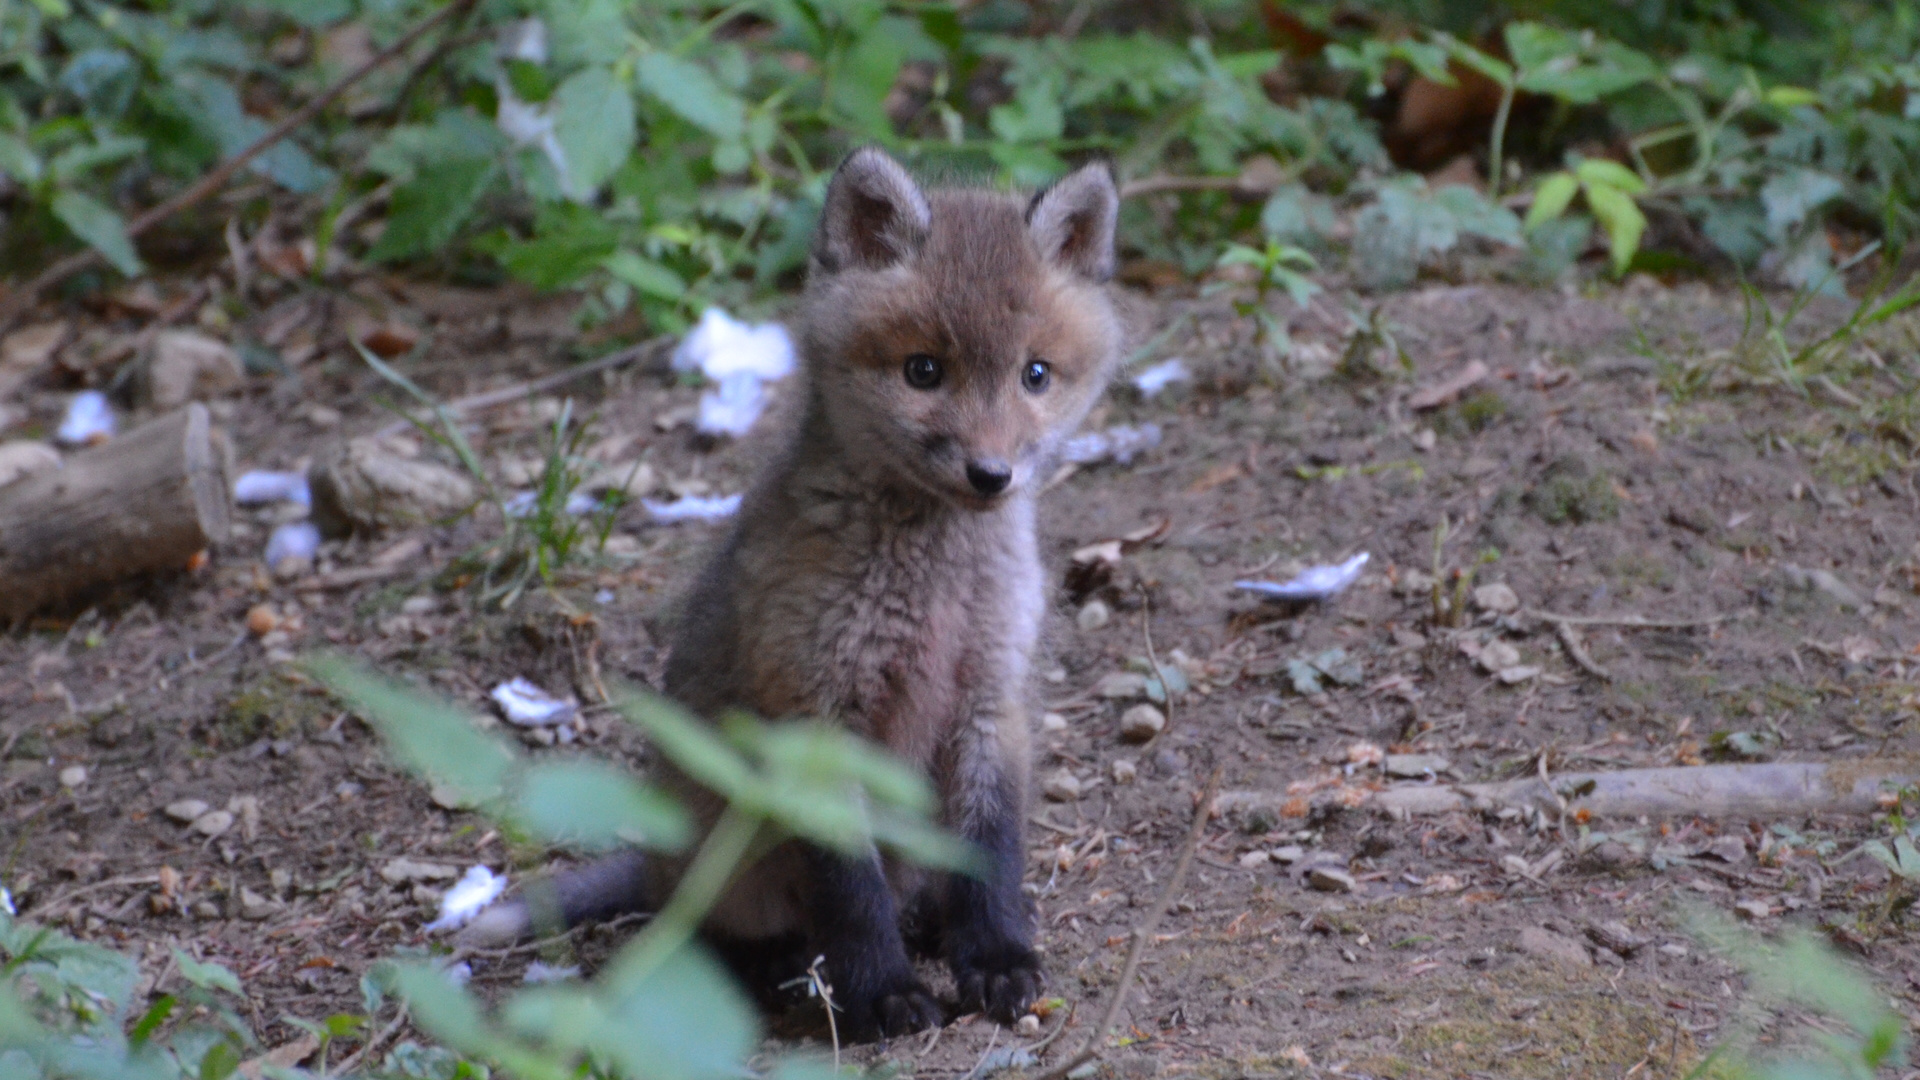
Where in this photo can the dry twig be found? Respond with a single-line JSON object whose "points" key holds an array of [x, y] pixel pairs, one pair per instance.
{"points": [[1143, 933], [473, 403], [1570, 641]]}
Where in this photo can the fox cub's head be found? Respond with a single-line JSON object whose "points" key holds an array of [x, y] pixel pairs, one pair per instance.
{"points": [[955, 337]]}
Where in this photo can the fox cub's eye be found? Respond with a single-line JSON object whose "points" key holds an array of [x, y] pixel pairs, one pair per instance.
{"points": [[923, 371], [1037, 375]]}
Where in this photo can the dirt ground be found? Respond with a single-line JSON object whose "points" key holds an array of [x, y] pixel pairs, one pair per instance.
{"points": [[1613, 462]]}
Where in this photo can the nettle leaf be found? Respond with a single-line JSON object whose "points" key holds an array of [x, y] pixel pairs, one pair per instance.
{"points": [[1475, 214], [597, 806], [1551, 199], [866, 72], [1791, 197], [569, 242], [1622, 220], [646, 275], [594, 123], [1574, 67], [214, 107], [17, 160], [683, 1020], [1297, 214], [692, 93], [429, 736], [75, 162], [100, 226], [426, 213], [207, 976], [455, 135]]}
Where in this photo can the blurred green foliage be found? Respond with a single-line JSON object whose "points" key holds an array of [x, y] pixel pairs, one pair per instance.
{"points": [[662, 156]]}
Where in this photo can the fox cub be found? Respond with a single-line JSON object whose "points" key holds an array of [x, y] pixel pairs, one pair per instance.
{"points": [[884, 571]]}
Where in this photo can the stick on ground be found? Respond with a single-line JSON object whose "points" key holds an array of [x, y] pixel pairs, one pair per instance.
{"points": [[1143, 933]]}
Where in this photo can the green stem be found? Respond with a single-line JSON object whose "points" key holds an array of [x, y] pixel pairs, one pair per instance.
{"points": [[699, 889], [1496, 165]]}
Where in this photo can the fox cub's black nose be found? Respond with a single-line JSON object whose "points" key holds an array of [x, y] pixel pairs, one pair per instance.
{"points": [[989, 477]]}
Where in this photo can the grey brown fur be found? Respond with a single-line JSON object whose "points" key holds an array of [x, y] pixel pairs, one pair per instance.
{"points": [[883, 570]]}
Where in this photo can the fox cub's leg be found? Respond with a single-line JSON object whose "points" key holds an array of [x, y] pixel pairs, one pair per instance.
{"points": [[853, 921], [989, 934]]}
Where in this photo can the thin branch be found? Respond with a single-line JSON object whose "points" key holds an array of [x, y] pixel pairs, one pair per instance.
{"points": [[479, 402], [1143, 933], [1631, 621], [1570, 641], [16, 303]]}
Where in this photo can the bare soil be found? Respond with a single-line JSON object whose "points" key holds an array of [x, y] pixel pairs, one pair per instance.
{"points": [[1597, 477]]}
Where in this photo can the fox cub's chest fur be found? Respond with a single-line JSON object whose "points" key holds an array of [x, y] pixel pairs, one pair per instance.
{"points": [[883, 571]]}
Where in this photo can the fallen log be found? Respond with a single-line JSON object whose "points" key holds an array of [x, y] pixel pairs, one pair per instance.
{"points": [[148, 501], [1770, 789]]}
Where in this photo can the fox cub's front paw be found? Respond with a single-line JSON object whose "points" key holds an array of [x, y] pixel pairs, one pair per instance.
{"points": [[1000, 982], [897, 1006]]}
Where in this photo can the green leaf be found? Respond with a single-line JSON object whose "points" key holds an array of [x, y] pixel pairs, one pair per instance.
{"points": [[1294, 213], [207, 976], [693, 94], [75, 162], [1622, 220], [1791, 97], [1611, 173], [430, 737], [1791, 197], [100, 226], [597, 806], [646, 275], [692, 746], [1551, 199], [530, 81], [214, 107], [866, 73], [441, 1008], [594, 123], [684, 1020], [1485, 63], [219, 1062], [427, 212], [18, 160], [1477, 215]]}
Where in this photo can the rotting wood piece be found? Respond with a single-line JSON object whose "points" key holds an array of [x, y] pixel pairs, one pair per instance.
{"points": [[1769, 789], [145, 502]]}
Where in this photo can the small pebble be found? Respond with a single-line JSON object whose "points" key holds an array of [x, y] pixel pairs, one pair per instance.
{"points": [[73, 776], [254, 906], [420, 605], [1122, 686], [1052, 721], [1062, 786], [1497, 598], [185, 811], [1753, 910], [1287, 855], [1029, 1025], [1142, 722], [206, 909], [1125, 771], [1094, 615], [1253, 860], [213, 823], [1331, 879], [1498, 656], [262, 620]]}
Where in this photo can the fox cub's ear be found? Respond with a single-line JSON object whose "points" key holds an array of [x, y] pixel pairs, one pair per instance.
{"points": [[874, 215], [1073, 220]]}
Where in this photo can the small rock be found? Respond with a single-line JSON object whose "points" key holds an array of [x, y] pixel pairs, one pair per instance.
{"points": [[1616, 937], [23, 458], [420, 605], [1052, 721], [1729, 849], [1062, 786], [1125, 771], [1416, 766], [189, 366], [1288, 854], [1498, 598], [213, 823], [262, 620], [254, 906], [1029, 1025], [1169, 762], [1614, 855], [1825, 581], [323, 417], [1518, 673], [1142, 722], [1540, 942], [1122, 686], [1753, 910], [1673, 951], [365, 487], [1331, 879], [1093, 615], [390, 339], [1497, 656], [73, 776], [399, 871], [185, 811], [1253, 860], [206, 909]]}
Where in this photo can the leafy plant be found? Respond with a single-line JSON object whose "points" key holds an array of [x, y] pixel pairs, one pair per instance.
{"points": [[662, 1006], [1277, 267]]}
